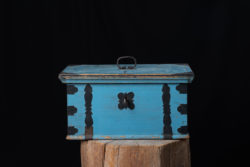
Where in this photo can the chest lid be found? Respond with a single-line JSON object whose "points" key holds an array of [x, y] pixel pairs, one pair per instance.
{"points": [[137, 73]]}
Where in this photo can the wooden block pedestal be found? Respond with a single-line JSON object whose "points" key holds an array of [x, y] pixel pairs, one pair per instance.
{"points": [[135, 153]]}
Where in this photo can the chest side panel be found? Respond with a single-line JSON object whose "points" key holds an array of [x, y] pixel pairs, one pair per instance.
{"points": [[76, 110], [178, 109]]}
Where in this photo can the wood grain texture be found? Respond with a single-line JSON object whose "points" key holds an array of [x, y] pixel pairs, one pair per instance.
{"points": [[135, 153]]}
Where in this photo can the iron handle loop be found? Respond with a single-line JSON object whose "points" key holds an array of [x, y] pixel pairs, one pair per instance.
{"points": [[126, 67]]}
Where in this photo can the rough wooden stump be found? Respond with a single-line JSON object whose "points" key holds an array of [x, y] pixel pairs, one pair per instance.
{"points": [[135, 153]]}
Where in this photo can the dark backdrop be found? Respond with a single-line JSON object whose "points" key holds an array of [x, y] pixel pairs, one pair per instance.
{"points": [[43, 37]]}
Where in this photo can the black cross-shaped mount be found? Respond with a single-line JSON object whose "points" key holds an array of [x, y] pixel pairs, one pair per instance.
{"points": [[126, 100]]}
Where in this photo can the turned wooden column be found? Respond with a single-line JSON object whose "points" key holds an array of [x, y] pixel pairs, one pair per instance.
{"points": [[135, 153]]}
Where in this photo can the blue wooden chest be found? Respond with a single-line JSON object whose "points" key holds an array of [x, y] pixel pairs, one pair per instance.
{"points": [[145, 102]]}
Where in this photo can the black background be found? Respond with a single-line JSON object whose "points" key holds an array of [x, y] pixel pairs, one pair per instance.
{"points": [[43, 37]]}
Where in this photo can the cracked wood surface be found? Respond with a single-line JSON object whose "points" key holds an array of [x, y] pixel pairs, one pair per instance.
{"points": [[135, 153]]}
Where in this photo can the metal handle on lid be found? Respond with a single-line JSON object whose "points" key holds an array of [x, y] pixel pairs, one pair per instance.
{"points": [[126, 67]]}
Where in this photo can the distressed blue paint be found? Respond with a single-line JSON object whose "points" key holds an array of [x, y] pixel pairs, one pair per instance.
{"points": [[77, 100], [145, 118], [140, 69], [152, 137], [145, 121], [176, 99], [132, 80], [143, 73]]}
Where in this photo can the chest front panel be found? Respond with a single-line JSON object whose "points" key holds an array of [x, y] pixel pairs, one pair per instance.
{"points": [[127, 111]]}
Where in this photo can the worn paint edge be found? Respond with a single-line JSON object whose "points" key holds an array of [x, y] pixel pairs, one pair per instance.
{"points": [[121, 137], [74, 81], [180, 64], [113, 76], [125, 74]]}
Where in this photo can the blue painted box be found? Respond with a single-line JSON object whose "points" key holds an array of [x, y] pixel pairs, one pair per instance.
{"points": [[147, 102]]}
